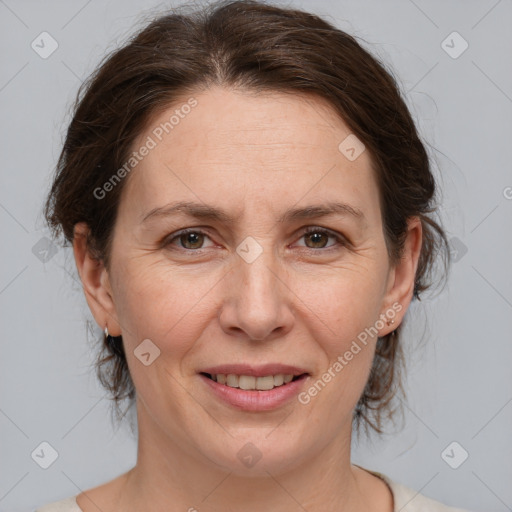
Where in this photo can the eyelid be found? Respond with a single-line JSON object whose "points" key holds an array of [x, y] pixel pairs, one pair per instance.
{"points": [[340, 239], [175, 235]]}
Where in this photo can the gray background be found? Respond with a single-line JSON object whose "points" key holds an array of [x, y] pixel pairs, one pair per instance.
{"points": [[460, 384]]}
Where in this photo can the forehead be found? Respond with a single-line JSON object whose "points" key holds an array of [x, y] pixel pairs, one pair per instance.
{"points": [[253, 120], [220, 141]]}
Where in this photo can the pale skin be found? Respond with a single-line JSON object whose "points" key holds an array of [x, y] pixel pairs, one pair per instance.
{"points": [[301, 302]]}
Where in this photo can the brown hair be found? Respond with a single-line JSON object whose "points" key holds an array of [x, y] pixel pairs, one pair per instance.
{"points": [[260, 47]]}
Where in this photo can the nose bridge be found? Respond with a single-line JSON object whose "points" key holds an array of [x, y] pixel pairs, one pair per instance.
{"points": [[260, 278], [258, 302]]}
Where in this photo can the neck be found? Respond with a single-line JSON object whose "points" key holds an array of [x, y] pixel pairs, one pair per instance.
{"points": [[170, 475]]}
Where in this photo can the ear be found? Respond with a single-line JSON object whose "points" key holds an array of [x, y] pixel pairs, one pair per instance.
{"points": [[95, 281], [400, 288]]}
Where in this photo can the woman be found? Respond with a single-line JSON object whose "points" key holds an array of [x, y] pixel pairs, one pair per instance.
{"points": [[249, 207]]}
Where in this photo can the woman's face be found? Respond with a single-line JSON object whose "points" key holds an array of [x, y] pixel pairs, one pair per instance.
{"points": [[248, 286]]}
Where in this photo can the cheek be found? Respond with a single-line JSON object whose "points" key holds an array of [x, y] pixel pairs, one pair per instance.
{"points": [[340, 305], [167, 305], [341, 321], [173, 305], [341, 313]]}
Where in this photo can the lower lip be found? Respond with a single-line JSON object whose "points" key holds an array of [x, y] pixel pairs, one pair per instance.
{"points": [[254, 400]]}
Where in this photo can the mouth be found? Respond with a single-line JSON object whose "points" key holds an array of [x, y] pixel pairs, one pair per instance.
{"points": [[254, 389], [253, 383]]}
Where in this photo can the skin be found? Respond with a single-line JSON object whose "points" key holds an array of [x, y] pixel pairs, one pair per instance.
{"points": [[302, 302]]}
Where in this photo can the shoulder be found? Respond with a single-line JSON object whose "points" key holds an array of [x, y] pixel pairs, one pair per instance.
{"points": [[66, 505], [408, 500]]}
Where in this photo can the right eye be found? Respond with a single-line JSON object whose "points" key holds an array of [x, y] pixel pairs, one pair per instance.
{"points": [[190, 239]]}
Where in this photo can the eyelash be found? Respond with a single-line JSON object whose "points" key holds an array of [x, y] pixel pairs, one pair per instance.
{"points": [[311, 229]]}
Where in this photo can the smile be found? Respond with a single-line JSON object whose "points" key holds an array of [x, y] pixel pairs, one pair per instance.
{"points": [[250, 393], [249, 382]]}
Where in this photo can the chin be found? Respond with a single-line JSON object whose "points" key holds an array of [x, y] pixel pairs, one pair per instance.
{"points": [[256, 452]]}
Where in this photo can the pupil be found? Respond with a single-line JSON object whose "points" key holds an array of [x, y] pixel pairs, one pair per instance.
{"points": [[192, 238], [316, 237]]}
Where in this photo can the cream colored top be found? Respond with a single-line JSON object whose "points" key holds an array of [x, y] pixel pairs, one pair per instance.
{"points": [[405, 500]]}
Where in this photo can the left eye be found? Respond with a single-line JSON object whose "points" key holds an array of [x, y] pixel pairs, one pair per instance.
{"points": [[319, 237], [193, 239]]}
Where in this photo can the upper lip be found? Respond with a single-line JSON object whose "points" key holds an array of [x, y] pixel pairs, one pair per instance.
{"points": [[254, 371]]}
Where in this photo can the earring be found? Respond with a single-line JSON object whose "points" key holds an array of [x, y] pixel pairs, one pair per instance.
{"points": [[112, 342], [390, 322]]}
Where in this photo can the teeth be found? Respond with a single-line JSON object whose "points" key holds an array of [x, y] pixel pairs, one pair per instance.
{"points": [[248, 382], [278, 380], [232, 381], [265, 383]]}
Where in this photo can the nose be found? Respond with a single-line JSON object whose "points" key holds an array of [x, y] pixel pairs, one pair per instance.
{"points": [[258, 300]]}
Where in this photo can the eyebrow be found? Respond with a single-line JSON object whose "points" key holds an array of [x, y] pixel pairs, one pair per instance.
{"points": [[208, 212]]}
